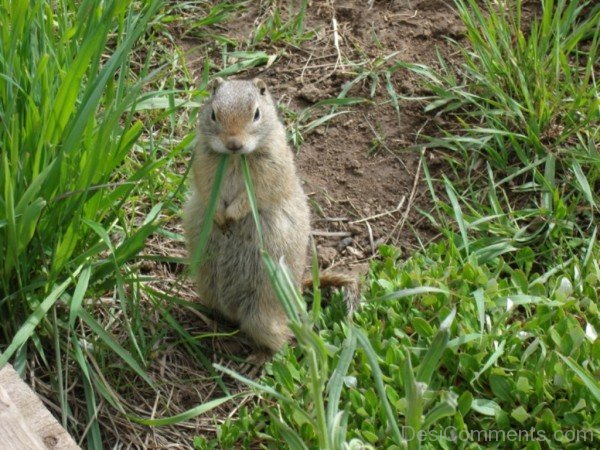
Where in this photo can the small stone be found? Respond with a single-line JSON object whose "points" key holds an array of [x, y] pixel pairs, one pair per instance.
{"points": [[355, 228], [326, 255], [380, 241], [344, 243], [311, 93], [355, 252]]}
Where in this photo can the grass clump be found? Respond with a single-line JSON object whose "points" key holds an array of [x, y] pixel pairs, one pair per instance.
{"points": [[62, 140], [526, 103]]}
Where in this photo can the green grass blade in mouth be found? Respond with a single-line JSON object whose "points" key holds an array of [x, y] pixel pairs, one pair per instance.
{"points": [[252, 197], [211, 209]]}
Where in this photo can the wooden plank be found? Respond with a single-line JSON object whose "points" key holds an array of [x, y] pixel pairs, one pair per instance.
{"points": [[34, 417], [13, 428]]}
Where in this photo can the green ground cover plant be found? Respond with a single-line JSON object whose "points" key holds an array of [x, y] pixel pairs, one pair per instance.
{"points": [[519, 355]]}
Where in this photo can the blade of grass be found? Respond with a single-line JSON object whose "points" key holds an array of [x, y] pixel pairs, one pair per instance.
{"points": [[184, 416], [590, 382], [210, 214], [380, 386], [336, 382], [34, 319], [115, 346], [431, 359], [252, 198]]}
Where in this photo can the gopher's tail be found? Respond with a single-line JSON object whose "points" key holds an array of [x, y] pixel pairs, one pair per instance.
{"points": [[348, 283]]}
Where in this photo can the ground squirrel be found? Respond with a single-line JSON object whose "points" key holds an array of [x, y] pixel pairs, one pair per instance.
{"points": [[239, 118]]}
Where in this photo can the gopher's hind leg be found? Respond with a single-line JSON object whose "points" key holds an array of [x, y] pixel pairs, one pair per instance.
{"points": [[265, 324]]}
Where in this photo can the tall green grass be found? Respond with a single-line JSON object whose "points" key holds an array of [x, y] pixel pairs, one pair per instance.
{"points": [[526, 105], [73, 154], [68, 123]]}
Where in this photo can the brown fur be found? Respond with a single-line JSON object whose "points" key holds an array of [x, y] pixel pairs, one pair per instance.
{"points": [[337, 280], [232, 278]]}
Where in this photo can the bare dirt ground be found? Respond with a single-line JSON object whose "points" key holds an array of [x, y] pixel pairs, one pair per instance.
{"points": [[361, 170]]}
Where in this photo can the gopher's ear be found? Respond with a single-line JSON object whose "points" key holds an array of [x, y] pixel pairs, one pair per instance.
{"points": [[261, 85], [214, 85]]}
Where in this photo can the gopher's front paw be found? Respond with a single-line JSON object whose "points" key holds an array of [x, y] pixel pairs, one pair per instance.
{"points": [[236, 212], [221, 220]]}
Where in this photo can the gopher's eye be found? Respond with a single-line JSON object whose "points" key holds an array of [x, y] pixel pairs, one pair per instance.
{"points": [[256, 114], [213, 116]]}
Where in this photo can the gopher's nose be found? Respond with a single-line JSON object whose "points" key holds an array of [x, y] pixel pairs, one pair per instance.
{"points": [[234, 144]]}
